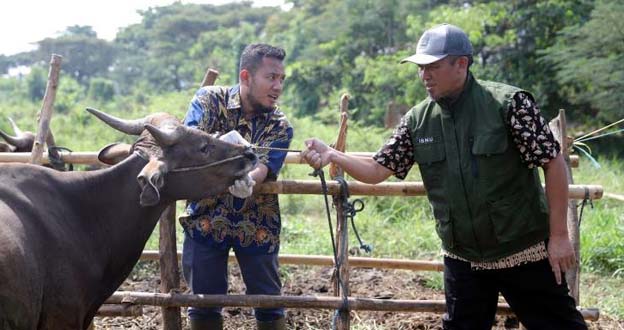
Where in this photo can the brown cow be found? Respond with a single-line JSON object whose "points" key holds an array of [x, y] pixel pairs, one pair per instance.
{"points": [[69, 239]]}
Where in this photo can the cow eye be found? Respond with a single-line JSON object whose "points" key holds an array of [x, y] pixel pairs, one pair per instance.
{"points": [[205, 148]]}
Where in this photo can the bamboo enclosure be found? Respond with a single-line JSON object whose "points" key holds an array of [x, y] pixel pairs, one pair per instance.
{"points": [[129, 303]]}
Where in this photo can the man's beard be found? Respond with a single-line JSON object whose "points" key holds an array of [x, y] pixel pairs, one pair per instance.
{"points": [[256, 106]]}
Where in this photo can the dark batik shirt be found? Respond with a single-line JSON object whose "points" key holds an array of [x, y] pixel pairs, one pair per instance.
{"points": [[530, 134], [248, 224]]}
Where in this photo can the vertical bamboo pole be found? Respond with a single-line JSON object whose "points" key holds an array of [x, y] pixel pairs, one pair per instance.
{"points": [[46, 110], [342, 242], [210, 77], [169, 269], [559, 129]]}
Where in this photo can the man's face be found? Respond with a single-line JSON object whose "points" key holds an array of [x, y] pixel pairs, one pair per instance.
{"points": [[265, 85], [443, 78]]}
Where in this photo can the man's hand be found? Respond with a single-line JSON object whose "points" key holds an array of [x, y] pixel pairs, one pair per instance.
{"points": [[317, 154], [560, 255], [235, 138], [242, 188]]}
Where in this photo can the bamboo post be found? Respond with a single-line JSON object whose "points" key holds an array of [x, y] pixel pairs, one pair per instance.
{"points": [[169, 270], [46, 109], [559, 129], [210, 77], [342, 234]]}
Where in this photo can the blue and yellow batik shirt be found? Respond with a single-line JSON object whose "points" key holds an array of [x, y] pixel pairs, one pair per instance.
{"points": [[251, 225]]}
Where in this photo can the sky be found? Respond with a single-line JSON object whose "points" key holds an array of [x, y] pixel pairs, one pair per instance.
{"points": [[24, 22]]}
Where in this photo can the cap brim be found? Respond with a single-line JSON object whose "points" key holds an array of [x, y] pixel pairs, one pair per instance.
{"points": [[423, 59]]}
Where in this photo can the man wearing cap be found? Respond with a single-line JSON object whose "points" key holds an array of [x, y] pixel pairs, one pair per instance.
{"points": [[478, 145]]}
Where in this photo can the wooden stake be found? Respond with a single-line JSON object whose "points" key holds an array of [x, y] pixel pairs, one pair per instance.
{"points": [[46, 110], [341, 283], [210, 77], [559, 129], [169, 270]]}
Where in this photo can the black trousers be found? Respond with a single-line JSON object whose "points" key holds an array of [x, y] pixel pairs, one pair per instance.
{"points": [[530, 289]]}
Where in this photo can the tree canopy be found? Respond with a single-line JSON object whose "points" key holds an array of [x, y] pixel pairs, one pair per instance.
{"points": [[567, 52]]}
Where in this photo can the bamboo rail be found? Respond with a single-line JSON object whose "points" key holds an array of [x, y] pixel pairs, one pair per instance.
{"points": [[319, 260], [305, 302], [90, 157], [385, 189], [120, 310]]}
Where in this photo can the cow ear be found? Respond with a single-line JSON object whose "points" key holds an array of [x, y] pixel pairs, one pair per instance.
{"points": [[152, 179], [114, 153]]}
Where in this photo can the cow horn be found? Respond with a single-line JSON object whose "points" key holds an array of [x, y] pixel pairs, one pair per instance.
{"points": [[16, 129], [133, 127], [23, 141], [165, 137]]}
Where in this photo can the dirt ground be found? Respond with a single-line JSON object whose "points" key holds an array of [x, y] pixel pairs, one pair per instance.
{"points": [[304, 280]]}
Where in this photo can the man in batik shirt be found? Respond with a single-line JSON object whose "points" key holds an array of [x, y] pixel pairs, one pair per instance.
{"points": [[478, 145], [249, 224]]}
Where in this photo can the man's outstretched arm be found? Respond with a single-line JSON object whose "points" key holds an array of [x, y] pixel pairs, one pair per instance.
{"points": [[365, 169]]}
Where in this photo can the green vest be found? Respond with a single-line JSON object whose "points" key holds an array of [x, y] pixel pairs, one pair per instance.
{"points": [[486, 202]]}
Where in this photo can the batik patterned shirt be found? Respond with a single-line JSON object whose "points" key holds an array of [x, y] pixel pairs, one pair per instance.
{"points": [[530, 134], [250, 224]]}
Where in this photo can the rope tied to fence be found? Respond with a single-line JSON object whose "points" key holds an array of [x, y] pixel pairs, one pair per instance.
{"points": [[586, 199], [337, 263], [56, 161], [350, 209]]}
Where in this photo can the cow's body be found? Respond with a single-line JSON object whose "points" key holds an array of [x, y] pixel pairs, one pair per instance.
{"points": [[69, 239]]}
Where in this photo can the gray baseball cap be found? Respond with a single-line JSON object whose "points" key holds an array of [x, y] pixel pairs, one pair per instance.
{"points": [[439, 42]]}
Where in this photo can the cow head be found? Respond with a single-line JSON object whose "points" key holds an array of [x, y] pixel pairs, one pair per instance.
{"points": [[183, 162], [21, 142]]}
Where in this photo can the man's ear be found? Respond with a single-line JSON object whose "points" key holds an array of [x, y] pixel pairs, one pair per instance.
{"points": [[463, 62], [244, 75]]}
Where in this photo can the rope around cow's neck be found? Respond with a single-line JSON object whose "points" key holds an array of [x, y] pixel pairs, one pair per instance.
{"points": [[199, 167], [254, 146], [223, 161]]}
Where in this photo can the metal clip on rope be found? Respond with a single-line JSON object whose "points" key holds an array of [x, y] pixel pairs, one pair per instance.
{"points": [[350, 209], [586, 198], [337, 263], [56, 161]]}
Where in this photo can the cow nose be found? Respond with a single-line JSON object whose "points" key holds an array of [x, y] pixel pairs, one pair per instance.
{"points": [[249, 154]]}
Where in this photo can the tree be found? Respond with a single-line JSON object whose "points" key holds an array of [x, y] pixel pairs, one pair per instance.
{"points": [[36, 82], [84, 55], [589, 62]]}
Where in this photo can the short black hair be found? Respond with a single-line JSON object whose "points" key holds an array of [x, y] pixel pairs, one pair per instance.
{"points": [[254, 53]]}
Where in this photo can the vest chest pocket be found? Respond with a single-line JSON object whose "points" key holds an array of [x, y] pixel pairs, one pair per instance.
{"points": [[487, 145], [428, 154], [430, 159], [489, 154]]}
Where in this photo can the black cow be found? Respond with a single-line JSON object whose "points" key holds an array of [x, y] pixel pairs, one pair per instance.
{"points": [[21, 142], [69, 239]]}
